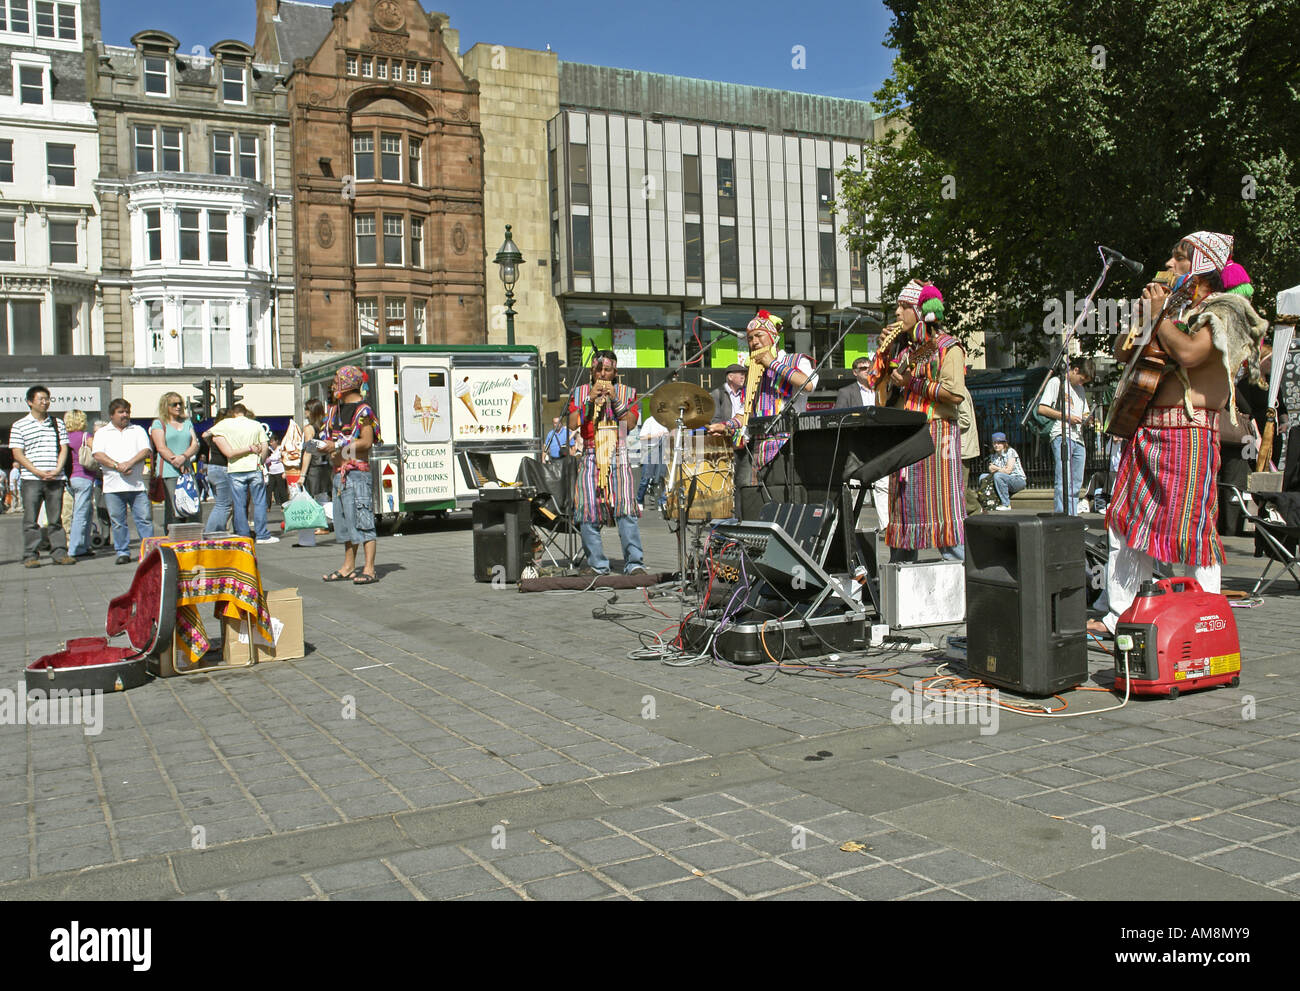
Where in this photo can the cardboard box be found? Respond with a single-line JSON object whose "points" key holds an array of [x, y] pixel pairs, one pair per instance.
{"points": [[285, 606]]}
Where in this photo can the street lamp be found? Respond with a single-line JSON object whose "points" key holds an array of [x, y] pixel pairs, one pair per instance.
{"points": [[509, 259]]}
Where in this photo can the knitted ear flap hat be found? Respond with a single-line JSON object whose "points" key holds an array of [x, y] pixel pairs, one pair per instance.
{"points": [[1211, 252], [768, 323]]}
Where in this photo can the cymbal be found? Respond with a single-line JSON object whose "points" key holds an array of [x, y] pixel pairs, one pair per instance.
{"points": [[695, 404]]}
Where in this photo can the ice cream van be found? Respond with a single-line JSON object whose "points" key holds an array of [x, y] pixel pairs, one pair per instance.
{"points": [[448, 414]]}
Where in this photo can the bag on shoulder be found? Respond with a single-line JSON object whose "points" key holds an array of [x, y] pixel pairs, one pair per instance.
{"points": [[86, 455], [1039, 425]]}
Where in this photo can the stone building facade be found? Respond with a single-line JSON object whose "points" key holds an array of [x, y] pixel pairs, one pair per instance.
{"points": [[198, 225], [49, 160], [519, 92], [387, 172]]}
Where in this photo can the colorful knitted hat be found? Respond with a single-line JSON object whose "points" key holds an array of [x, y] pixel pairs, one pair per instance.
{"points": [[768, 323], [1236, 280], [350, 377], [1211, 252], [910, 295], [931, 301]]}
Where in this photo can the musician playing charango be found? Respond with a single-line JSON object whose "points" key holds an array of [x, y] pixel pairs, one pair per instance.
{"points": [[927, 503], [604, 492], [1165, 503], [773, 377]]}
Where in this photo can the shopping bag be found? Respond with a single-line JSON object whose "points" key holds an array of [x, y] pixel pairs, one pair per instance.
{"points": [[186, 499], [302, 512]]}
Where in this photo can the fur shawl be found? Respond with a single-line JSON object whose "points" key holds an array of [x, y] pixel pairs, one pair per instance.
{"points": [[1236, 330]]}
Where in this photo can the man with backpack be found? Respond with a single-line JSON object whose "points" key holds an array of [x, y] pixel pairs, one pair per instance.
{"points": [[1068, 408], [39, 444]]}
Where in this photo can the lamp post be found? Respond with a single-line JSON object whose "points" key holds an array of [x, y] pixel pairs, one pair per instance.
{"points": [[509, 259]]}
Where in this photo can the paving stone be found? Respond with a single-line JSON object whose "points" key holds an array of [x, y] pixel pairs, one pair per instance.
{"points": [[896, 845], [881, 883], [608, 850], [534, 866], [646, 871], [690, 890], [1282, 813], [287, 888], [759, 878], [1257, 865], [950, 867], [1008, 887], [571, 887], [1181, 841], [574, 831]]}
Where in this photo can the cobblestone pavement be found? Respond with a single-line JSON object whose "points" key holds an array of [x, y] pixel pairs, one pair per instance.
{"points": [[447, 739]]}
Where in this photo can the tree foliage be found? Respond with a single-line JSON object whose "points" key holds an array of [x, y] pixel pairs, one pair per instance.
{"points": [[1035, 130]]}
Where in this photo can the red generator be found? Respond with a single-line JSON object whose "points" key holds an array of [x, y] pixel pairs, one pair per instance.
{"points": [[1174, 637]]}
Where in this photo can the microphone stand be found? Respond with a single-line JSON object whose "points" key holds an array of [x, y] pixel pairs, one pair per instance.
{"points": [[1069, 501]]}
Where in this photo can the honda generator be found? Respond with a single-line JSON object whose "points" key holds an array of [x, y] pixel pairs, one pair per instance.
{"points": [[1176, 636]]}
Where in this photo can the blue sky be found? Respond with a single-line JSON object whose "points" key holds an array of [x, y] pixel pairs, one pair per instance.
{"points": [[749, 43]]}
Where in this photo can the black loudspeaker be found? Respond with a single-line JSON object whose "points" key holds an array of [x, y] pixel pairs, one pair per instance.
{"points": [[1026, 601], [551, 376], [503, 536]]}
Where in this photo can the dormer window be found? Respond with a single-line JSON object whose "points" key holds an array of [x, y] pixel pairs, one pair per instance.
{"points": [[233, 84], [31, 84], [157, 77]]}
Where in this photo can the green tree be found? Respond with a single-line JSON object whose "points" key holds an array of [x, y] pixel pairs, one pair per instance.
{"points": [[1029, 131]]}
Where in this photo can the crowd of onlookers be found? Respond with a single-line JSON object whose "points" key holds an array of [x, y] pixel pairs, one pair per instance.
{"points": [[71, 478]]}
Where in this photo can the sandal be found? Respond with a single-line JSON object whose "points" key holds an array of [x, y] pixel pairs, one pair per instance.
{"points": [[364, 579], [337, 576]]}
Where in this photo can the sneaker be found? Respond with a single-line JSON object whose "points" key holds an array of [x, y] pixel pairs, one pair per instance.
{"points": [[1003, 509], [32, 563], [269, 540], [65, 560], [124, 559], [637, 569], [591, 573]]}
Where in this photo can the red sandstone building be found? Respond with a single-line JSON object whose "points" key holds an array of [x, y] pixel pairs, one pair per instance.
{"points": [[387, 174]]}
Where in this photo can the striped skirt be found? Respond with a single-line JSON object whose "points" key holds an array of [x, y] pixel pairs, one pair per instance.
{"points": [[1166, 500], [927, 503], [590, 503]]}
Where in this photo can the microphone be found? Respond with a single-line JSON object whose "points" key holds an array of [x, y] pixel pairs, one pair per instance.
{"points": [[734, 333], [1113, 255]]}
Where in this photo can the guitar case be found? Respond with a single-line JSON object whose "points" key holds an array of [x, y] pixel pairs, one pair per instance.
{"points": [[145, 614]]}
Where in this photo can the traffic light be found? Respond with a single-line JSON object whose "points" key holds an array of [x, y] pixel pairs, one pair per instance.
{"points": [[201, 406], [551, 376], [232, 396]]}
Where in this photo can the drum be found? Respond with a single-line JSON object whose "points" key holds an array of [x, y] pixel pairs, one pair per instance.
{"points": [[710, 461]]}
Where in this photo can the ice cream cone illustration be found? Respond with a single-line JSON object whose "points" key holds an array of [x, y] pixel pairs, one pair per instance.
{"points": [[427, 409], [462, 393], [516, 398]]}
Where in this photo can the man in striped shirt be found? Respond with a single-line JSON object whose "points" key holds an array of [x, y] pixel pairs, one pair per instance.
{"points": [[40, 447]]}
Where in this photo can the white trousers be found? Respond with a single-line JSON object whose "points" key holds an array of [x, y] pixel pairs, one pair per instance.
{"points": [[1127, 568], [879, 500]]}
